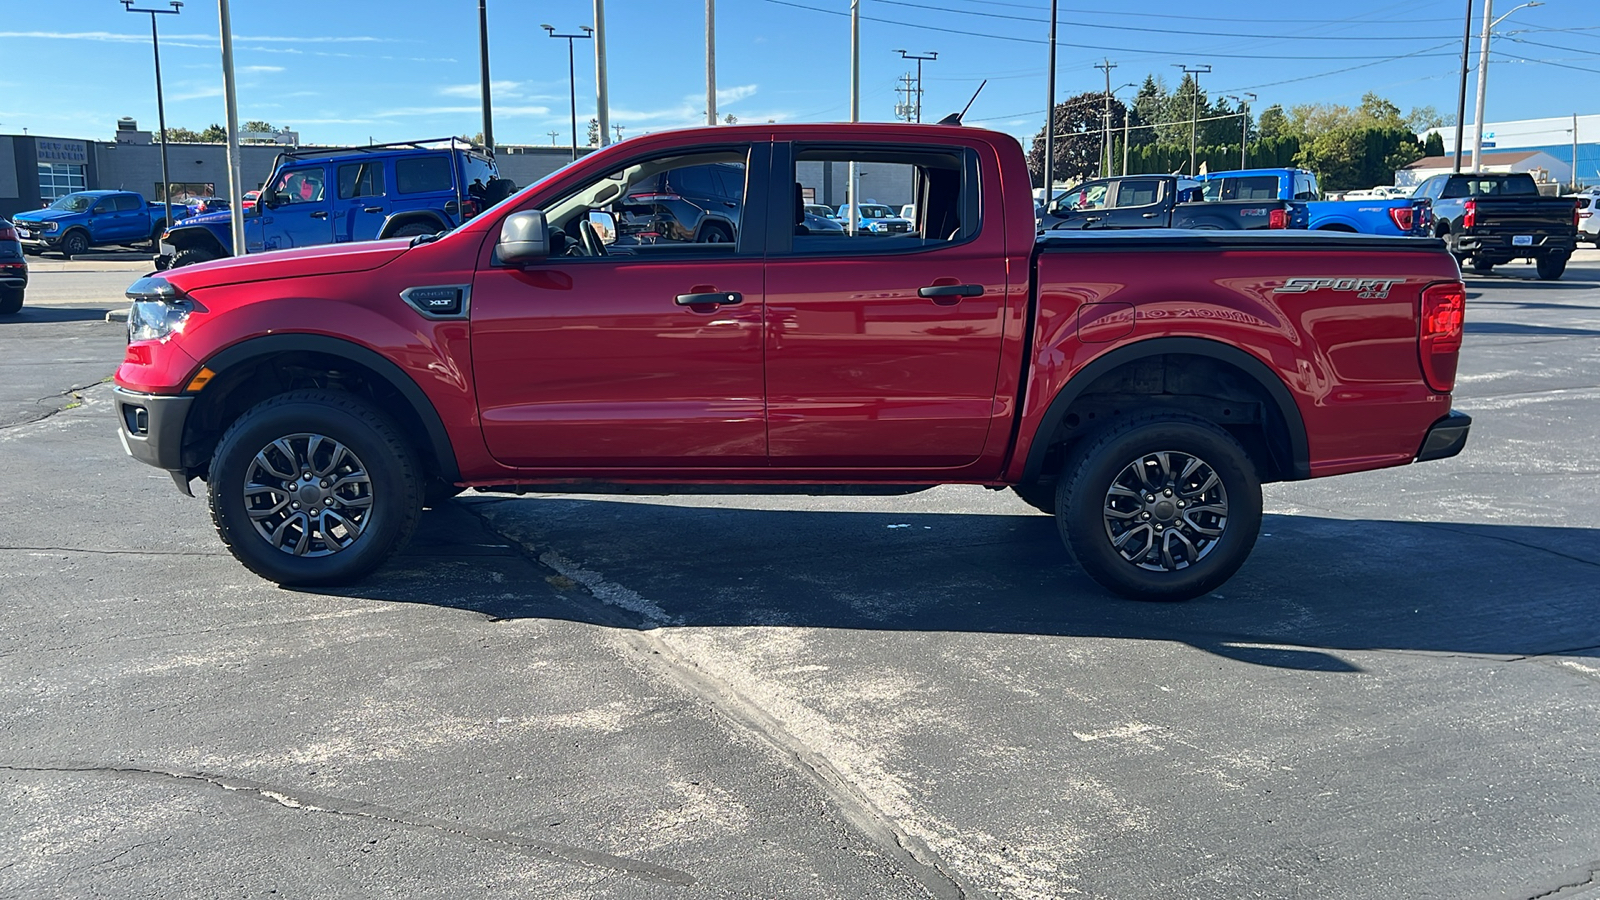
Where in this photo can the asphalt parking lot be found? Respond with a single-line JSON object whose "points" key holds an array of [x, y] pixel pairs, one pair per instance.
{"points": [[732, 696]]}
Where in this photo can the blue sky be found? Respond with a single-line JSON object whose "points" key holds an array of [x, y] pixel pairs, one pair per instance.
{"points": [[348, 70]]}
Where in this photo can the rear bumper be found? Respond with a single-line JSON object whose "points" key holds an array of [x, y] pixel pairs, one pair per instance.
{"points": [[1501, 245], [151, 427], [1445, 438]]}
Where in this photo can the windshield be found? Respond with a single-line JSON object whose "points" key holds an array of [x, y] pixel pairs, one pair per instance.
{"points": [[73, 203], [876, 212]]}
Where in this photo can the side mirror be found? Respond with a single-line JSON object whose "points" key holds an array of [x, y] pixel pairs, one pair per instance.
{"points": [[604, 225], [524, 238]]}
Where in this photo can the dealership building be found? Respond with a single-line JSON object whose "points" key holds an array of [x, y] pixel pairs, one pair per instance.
{"points": [[1547, 148], [36, 169]]}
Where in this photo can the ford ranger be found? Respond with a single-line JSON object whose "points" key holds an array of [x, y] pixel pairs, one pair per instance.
{"points": [[1140, 385], [74, 224]]}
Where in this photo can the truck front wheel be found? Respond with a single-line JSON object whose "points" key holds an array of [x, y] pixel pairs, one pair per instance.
{"points": [[314, 488], [76, 243], [1161, 507]]}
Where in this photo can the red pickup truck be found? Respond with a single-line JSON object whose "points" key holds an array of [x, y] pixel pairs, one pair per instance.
{"points": [[592, 331]]}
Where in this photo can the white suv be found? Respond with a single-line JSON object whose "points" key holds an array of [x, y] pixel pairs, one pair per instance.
{"points": [[1588, 222]]}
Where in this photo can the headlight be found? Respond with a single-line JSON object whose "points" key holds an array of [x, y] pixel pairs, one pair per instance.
{"points": [[159, 310], [52, 226]]}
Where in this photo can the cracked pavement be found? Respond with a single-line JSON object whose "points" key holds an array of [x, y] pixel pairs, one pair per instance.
{"points": [[730, 696]]}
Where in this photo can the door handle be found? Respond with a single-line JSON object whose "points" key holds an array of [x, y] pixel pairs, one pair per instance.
{"points": [[950, 294], [719, 298], [320, 214], [372, 209], [1152, 215]]}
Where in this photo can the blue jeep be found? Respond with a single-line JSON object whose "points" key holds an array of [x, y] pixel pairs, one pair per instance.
{"points": [[325, 196]]}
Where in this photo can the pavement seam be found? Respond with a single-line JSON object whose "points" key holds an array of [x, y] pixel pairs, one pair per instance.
{"points": [[1593, 873], [313, 802], [856, 809]]}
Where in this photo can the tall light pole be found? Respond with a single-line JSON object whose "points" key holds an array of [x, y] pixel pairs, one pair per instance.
{"points": [[230, 100], [483, 77], [572, 74], [855, 111], [1244, 126], [1194, 118], [711, 62], [1050, 113], [161, 108], [931, 55], [602, 102], [1483, 76]]}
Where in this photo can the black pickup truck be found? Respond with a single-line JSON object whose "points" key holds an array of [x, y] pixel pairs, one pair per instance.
{"points": [[1163, 201], [1489, 218]]}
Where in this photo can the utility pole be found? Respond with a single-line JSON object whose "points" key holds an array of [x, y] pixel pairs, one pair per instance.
{"points": [[1244, 142], [1105, 120], [572, 75], [618, 130], [1574, 152], [931, 56], [161, 107], [906, 109], [1461, 96], [602, 102], [1050, 114], [483, 76], [230, 97], [711, 62], [1194, 118], [553, 136]]}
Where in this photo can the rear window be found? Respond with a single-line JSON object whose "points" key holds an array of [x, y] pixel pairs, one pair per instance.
{"points": [[1255, 187], [423, 175], [476, 167], [128, 203]]}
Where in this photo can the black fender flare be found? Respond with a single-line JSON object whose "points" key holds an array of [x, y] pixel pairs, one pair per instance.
{"points": [[396, 221], [182, 237], [1299, 463], [270, 345]]}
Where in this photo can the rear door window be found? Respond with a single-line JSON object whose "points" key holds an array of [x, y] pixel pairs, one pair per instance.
{"points": [[1138, 192], [127, 203], [1253, 187], [423, 175]]}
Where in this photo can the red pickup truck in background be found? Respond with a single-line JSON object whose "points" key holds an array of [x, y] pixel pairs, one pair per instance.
{"points": [[585, 332]]}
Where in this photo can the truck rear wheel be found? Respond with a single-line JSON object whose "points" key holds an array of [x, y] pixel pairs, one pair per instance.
{"points": [[314, 488], [1161, 507], [1551, 267], [1482, 266]]}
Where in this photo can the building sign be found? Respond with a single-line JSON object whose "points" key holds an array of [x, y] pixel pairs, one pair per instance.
{"points": [[49, 150]]}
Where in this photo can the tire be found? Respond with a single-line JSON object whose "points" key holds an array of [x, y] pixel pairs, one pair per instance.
{"points": [[10, 301], [1551, 267], [192, 256], [436, 493], [1213, 547], [716, 233], [414, 229], [1482, 266], [1040, 495], [76, 243], [279, 437]]}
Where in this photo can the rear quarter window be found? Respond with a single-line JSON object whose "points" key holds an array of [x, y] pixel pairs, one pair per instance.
{"points": [[423, 175]]}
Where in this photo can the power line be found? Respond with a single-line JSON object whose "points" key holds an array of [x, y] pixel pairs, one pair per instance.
{"points": [[1095, 47], [1186, 32], [1197, 18], [1418, 55]]}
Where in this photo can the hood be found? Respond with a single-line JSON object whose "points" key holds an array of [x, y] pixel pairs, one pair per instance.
{"points": [[329, 259], [45, 215]]}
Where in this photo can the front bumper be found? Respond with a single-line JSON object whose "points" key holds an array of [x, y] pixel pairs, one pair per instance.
{"points": [[39, 242], [1446, 437], [151, 429]]}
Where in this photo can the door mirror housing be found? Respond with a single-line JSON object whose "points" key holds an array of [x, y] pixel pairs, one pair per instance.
{"points": [[524, 238]]}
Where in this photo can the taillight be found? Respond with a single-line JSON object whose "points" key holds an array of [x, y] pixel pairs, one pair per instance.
{"points": [[1576, 215], [1401, 215], [1469, 214], [469, 208], [1444, 309], [1278, 218], [7, 233]]}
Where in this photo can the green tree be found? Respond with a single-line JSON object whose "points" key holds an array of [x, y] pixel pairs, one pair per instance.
{"points": [[214, 134], [1148, 106], [1434, 146], [1272, 122], [1422, 118], [594, 132], [182, 136]]}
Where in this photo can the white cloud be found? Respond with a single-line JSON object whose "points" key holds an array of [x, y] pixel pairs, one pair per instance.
{"points": [[196, 94], [258, 70], [409, 111], [735, 94]]}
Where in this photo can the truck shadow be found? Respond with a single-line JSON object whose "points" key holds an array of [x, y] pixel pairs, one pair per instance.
{"points": [[1314, 586], [51, 314]]}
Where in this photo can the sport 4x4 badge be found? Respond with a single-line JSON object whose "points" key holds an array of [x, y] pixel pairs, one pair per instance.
{"points": [[1364, 288]]}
